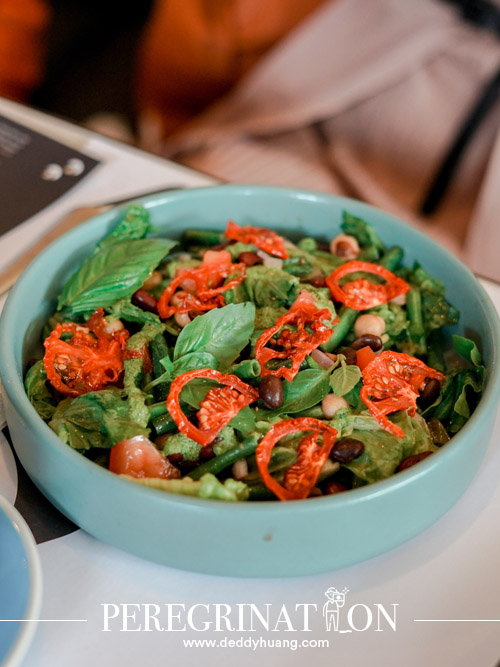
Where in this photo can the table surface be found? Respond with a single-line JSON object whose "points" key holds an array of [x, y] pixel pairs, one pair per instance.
{"points": [[445, 582]]}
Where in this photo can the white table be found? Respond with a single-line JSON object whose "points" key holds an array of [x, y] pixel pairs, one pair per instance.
{"points": [[445, 582]]}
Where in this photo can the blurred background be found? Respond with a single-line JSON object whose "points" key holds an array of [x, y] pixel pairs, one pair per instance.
{"points": [[394, 102]]}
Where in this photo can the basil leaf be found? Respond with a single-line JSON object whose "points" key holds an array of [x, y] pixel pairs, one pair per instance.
{"points": [[114, 273], [194, 361], [307, 388], [345, 378], [222, 332]]}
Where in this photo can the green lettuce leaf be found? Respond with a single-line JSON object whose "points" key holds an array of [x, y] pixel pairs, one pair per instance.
{"points": [[37, 389], [270, 286], [384, 451], [364, 233], [134, 225], [97, 419], [207, 487], [345, 378]]}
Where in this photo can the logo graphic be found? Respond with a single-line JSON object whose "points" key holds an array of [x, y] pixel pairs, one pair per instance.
{"points": [[335, 601]]}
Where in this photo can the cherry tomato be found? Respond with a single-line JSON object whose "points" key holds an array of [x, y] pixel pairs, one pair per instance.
{"points": [[138, 457], [361, 294], [300, 477], [391, 382]]}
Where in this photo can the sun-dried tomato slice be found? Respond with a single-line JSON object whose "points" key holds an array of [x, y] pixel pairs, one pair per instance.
{"points": [[391, 382], [218, 407], [361, 294], [263, 238], [311, 331], [89, 361], [300, 477], [201, 289]]}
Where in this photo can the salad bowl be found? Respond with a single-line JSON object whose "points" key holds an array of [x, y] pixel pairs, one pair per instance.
{"points": [[264, 538]]}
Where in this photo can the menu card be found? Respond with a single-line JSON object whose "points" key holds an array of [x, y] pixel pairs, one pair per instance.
{"points": [[34, 171]]}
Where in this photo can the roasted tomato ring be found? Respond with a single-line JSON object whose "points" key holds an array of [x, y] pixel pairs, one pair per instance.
{"points": [[361, 294], [263, 238], [205, 296], [89, 361], [300, 477], [296, 344], [394, 380], [219, 406]]}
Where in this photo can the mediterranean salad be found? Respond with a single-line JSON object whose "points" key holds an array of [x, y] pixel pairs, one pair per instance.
{"points": [[241, 365]]}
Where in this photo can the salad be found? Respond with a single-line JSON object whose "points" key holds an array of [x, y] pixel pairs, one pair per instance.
{"points": [[240, 365]]}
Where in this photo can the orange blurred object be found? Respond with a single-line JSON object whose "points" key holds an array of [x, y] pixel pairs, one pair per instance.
{"points": [[23, 25], [195, 50]]}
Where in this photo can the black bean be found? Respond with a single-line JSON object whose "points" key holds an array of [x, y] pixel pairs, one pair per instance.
{"points": [[346, 450], [271, 392], [349, 354], [410, 461], [430, 392], [368, 340]]}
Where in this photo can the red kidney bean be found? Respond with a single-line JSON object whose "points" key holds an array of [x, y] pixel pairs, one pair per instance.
{"points": [[346, 450], [343, 249], [271, 392], [410, 461], [370, 340], [144, 300], [350, 355], [249, 258], [207, 452], [318, 281], [175, 458], [334, 487]]}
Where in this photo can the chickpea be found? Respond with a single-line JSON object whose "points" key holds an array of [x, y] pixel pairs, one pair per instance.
{"points": [[331, 404], [182, 319], [399, 300], [113, 326], [154, 279], [369, 324], [344, 246]]}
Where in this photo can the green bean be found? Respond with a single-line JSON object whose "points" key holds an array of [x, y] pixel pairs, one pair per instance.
{"points": [[159, 350], [163, 424], [391, 259], [347, 319], [414, 311], [246, 369], [202, 237], [435, 356], [157, 409], [260, 492], [215, 465]]}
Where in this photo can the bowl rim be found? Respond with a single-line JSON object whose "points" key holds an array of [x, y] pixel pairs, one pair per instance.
{"points": [[14, 387], [26, 632]]}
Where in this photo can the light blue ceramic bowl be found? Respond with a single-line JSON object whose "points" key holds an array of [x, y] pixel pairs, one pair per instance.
{"points": [[20, 585], [247, 539]]}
